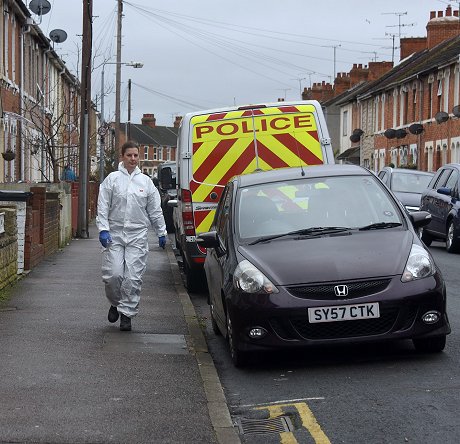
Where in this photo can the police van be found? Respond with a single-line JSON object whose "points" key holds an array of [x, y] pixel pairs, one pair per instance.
{"points": [[215, 145]]}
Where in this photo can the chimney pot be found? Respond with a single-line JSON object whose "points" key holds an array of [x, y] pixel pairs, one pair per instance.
{"points": [[448, 11], [456, 13], [432, 14], [440, 14]]}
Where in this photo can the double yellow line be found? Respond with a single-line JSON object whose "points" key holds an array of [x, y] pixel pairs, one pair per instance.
{"points": [[309, 422]]}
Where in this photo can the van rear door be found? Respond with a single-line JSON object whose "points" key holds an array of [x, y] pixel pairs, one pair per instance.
{"points": [[247, 140]]}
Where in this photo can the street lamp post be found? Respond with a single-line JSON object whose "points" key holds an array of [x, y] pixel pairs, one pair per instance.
{"points": [[103, 132]]}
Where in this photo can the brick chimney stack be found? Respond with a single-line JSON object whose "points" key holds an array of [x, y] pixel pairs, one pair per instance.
{"points": [[358, 73], [410, 45], [321, 92], [149, 120], [342, 83], [378, 69], [442, 27]]}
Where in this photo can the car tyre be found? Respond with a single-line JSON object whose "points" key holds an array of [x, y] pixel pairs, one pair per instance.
{"points": [[238, 356], [426, 238], [430, 345], [195, 280], [215, 327], [452, 244]]}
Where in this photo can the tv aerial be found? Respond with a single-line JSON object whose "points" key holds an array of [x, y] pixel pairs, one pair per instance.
{"points": [[40, 7], [58, 36]]}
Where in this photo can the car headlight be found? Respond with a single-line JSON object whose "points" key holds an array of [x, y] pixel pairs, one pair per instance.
{"points": [[419, 265], [249, 279]]}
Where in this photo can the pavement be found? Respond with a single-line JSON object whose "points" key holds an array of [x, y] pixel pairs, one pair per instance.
{"points": [[69, 376]]}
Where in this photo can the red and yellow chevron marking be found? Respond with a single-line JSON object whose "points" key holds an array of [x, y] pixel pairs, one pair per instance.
{"points": [[223, 146]]}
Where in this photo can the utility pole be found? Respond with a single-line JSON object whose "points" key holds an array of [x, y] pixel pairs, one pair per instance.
{"points": [[118, 78], [82, 223], [299, 79], [102, 132], [335, 51], [129, 110], [392, 45]]}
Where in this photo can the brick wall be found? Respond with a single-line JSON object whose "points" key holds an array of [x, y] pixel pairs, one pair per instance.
{"points": [[33, 244], [51, 223], [8, 248]]}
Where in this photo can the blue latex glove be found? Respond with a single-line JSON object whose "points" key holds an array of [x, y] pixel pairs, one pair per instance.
{"points": [[105, 238], [162, 242]]}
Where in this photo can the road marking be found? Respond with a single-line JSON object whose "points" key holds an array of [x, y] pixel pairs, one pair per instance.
{"points": [[284, 401], [285, 437], [308, 421], [311, 424]]}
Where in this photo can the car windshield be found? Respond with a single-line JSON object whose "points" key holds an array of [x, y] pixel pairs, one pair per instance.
{"points": [[338, 203], [409, 182]]}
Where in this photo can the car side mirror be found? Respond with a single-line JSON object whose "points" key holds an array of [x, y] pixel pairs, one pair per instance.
{"points": [[208, 239], [444, 190], [420, 218], [172, 203]]}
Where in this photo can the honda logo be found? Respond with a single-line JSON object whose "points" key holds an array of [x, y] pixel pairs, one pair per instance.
{"points": [[341, 290]]}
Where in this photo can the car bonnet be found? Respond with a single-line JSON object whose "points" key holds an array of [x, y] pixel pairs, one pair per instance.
{"points": [[290, 261]]}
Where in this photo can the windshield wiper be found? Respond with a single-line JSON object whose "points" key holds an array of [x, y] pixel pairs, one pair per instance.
{"points": [[313, 231], [380, 226]]}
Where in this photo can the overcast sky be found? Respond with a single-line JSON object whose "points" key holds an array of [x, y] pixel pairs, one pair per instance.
{"points": [[209, 53]]}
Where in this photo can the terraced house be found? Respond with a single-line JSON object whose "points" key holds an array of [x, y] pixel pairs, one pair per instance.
{"points": [[410, 115], [39, 102]]}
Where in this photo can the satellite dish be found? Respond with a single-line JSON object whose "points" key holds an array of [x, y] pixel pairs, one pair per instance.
{"points": [[355, 137], [456, 110], [58, 35], [390, 133], [416, 128], [441, 117], [40, 7], [401, 133]]}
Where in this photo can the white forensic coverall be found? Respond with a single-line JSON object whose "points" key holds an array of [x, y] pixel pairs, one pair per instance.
{"points": [[127, 205]]}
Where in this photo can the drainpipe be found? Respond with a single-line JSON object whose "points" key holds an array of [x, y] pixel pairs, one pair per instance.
{"points": [[27, 29], [421, 151], [43, 92]]}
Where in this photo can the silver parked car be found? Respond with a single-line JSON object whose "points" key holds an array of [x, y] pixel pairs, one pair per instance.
{"points": [[407, 185]]}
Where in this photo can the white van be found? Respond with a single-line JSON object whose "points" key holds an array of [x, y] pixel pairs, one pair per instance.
{"points": [[215, 145]]}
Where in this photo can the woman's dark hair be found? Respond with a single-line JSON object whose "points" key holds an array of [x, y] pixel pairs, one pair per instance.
{"points": [[128, 144]]}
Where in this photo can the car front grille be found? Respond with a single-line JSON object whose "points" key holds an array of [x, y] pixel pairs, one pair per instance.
{"points": [[356, 289], [391, 318]]}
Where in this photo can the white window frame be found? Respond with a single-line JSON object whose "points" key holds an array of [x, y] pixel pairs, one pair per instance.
{"points": [[381, 158], [429, 150], [345, 123], [413, 152], [395, 106], [146, 152], [376, 111], [439, 93], [456, 84], [446, 90], [382, 116]]}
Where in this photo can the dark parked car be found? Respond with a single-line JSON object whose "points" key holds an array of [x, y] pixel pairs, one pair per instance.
{"points": [[166, 174], [442, 201], [321, 255], [408, 185]]}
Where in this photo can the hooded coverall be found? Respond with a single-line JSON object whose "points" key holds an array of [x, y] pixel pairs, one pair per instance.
{"points": [[127, 205]]}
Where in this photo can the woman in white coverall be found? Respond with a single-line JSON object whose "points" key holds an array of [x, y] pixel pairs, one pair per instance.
{"points": [[128, 203]]}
